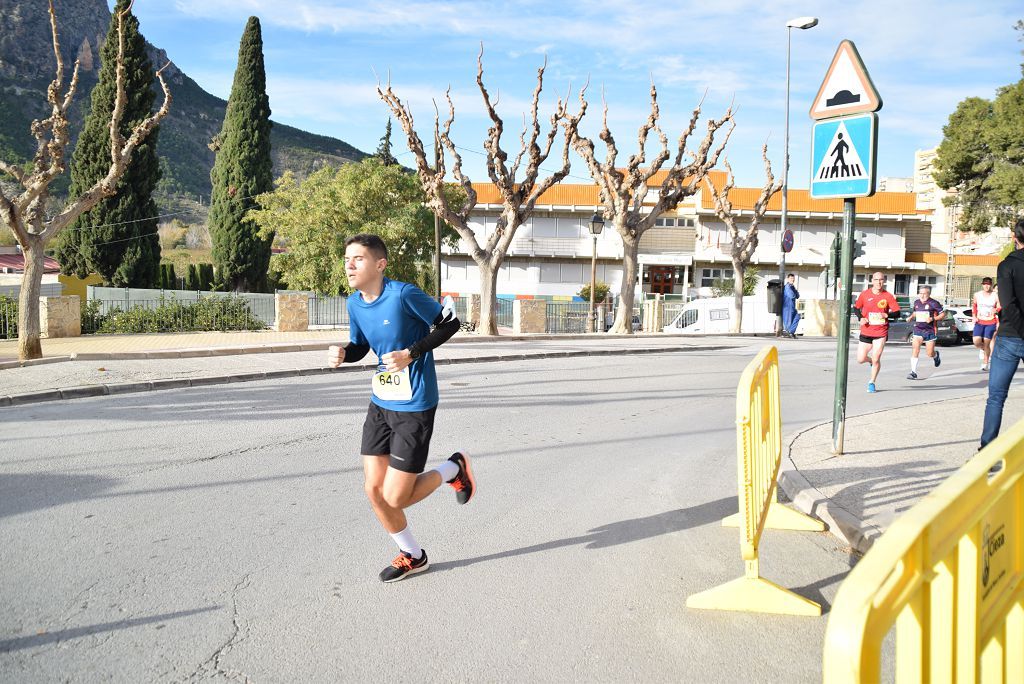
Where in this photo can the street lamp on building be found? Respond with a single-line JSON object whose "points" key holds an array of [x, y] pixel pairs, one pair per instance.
{"points": [[802, 23], [596, 226]]}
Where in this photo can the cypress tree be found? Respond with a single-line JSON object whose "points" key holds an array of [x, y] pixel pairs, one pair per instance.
{"points": [[118, 238], [242, 170], [384, 149], [192, 278]]}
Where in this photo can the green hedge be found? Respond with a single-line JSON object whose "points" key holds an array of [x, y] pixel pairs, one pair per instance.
{"points": [[8, 318], [209, 313]]}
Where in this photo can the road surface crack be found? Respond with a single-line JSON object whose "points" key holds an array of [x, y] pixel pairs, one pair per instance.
{"points": [[214, 665]]}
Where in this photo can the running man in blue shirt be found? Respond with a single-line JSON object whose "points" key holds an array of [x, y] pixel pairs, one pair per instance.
{"points": [[401, 325], [926, 313]]}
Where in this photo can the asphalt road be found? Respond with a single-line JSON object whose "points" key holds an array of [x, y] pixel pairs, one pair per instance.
{"points": [[222, 532]]}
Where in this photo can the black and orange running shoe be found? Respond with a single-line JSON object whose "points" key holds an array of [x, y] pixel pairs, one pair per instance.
{"points": [[403, 566], [464, 484]]}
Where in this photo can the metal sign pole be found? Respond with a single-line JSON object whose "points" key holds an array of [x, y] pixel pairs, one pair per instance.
{"points": [[843, 334]]}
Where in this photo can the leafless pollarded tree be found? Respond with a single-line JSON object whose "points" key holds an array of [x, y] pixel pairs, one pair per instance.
{"points": [[624, 191], [518, 195], [24, 213], [743, 243]]}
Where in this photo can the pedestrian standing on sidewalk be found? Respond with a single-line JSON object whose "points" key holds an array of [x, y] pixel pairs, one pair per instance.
{"points": [[1008, 350], [873, 307], [790, 318], [926, 313], [984, 307], [401, 324]]}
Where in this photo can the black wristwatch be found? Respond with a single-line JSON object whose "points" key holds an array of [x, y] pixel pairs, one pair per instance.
{"points": [[414, 353]]}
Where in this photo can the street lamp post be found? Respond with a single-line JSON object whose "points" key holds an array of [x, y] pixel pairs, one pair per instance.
{"points": [[799, 23], [596, 226]]}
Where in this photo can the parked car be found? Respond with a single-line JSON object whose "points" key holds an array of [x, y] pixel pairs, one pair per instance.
{"points": [[964, 322], [946, 330]]}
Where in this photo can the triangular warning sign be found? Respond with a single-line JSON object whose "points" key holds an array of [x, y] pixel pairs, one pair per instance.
{"points": [[847, 88], [841, 161]]}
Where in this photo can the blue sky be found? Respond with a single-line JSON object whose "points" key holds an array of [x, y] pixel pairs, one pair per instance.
{"points": [[322, 55]]}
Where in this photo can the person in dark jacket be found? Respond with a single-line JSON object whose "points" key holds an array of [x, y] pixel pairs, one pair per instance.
{"points": [[1008, 350]]}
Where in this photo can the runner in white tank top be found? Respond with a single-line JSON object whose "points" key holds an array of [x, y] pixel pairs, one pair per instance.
{"points": [[984, 307]]}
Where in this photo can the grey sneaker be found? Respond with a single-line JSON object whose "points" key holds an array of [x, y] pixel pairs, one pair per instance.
{"points": [[403, 566], [464, 483]]}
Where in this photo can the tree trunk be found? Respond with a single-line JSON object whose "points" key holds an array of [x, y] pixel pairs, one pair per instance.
{"points": [[738, 268], [488, 298], [624, 317], [29, 346]]}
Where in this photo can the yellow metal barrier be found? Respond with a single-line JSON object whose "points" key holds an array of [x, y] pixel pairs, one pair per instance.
{"points": [[949, 574], [758, 457]]}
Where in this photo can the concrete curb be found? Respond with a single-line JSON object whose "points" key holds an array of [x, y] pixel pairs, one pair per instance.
{"points": [[206, 381], [34, 362], [859, 535], [288, 347]]}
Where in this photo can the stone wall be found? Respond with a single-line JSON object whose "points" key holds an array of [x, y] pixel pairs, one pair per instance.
{"points": [[820, 319], [60, 316], [529, 316], [291, 312]]}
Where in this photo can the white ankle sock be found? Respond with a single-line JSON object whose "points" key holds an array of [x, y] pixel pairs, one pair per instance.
{"points": [[448, 470], [981, 355], [913, 364], [406, 542]]}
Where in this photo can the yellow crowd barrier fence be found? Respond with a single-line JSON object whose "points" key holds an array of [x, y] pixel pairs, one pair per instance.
{"points": [[758, 457], [948, 574]]}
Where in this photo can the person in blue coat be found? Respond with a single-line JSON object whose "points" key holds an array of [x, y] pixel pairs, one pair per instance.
{"points": [[790, 318]]}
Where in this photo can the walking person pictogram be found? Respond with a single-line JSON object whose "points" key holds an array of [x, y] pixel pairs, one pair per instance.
{"points": [[839, 152]]}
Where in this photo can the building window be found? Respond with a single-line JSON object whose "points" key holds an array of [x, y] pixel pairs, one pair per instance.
{"points": [[708, 276], [666, 222], [930, 281], [550, 273]]}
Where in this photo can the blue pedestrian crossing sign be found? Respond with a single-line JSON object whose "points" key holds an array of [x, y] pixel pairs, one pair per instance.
{"points": [[843, 152]]}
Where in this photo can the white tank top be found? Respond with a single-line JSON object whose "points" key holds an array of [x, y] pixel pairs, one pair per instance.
{"points": [[986, 306]]}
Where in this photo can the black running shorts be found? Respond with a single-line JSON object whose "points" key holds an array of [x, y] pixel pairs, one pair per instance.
{"points": [[869, 340], [402, 435]]}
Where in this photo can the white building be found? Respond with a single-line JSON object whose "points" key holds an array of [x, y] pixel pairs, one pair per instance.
{"points": [[688, 250]]}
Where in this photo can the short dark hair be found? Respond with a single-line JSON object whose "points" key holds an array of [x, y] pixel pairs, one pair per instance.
{"points": [[1018, 230], [791, 275], [986, 280], [371, 242]]}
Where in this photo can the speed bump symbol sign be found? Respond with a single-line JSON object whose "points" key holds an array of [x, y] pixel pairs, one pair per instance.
{"points": [[847, 88]]}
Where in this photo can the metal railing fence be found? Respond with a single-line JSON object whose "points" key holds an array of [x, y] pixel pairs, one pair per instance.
{"points": [[567, 317]]}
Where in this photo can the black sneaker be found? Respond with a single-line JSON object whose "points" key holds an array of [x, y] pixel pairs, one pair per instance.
{"points": [[938, 359], [464, 484], [403, 566], [911, 375]]}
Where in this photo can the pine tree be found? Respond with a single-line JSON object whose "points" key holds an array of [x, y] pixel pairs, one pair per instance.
{"points": [[384, 149], [242, 170], [118, 238]]}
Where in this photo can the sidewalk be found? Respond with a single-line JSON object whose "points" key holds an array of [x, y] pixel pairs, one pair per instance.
{"points": [[892, 459]]}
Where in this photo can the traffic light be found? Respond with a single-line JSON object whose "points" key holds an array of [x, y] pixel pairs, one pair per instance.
{"points": [[859, 239], [834, 255]]}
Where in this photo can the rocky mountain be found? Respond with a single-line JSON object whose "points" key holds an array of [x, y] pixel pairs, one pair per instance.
{"points": [[27, 67]]}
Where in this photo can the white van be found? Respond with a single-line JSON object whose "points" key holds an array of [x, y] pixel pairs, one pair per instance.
{"points": [[713, 316]]}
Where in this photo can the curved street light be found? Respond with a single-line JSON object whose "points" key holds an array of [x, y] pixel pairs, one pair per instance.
{"points": [[803, 23]]}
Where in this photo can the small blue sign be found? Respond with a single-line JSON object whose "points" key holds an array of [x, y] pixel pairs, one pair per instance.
{"points": [[843, 152], [787, 241]]}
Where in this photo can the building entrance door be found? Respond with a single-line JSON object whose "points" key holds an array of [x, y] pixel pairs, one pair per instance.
{"points": [[663, 279]]}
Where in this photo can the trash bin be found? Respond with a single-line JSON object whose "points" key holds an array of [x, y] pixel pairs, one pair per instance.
{"points": [[774, 297]]}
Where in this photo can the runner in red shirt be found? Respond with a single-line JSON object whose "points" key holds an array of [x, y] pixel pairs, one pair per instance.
{"points": [[873, 307]]}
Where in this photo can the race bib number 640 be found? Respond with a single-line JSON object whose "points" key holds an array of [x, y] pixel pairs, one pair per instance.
{"points": [[392, 386]]}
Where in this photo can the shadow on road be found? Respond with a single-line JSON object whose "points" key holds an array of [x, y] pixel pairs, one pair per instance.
{"points": [[45, 638], [622, 532]]}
